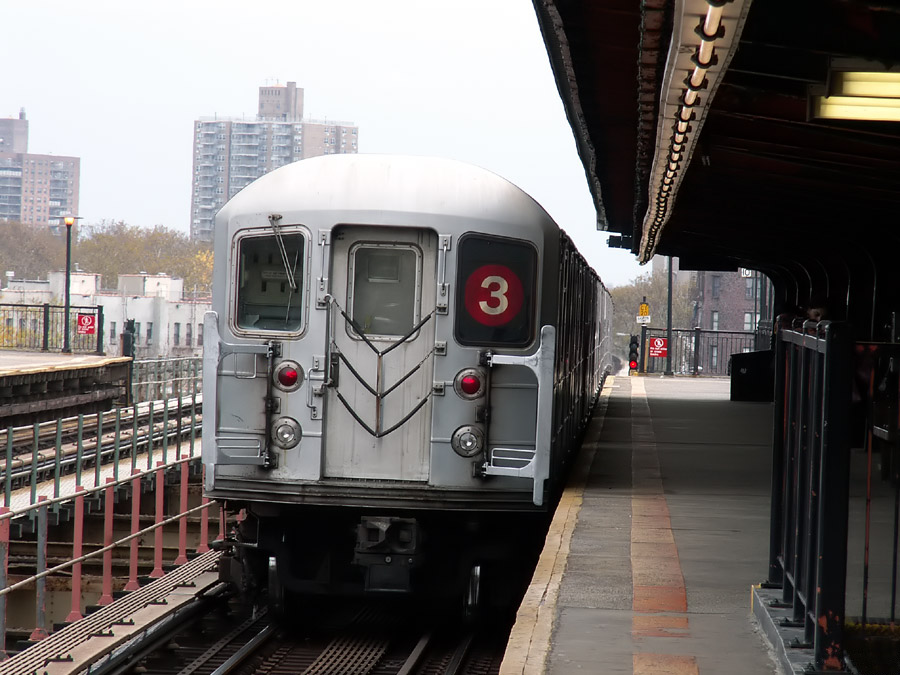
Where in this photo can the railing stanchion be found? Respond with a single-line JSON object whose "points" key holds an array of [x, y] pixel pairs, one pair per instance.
{"points": [[158, 533], [204, 518], [108, 505], [40, 595], [7, 479], [77, 541], [183, 507], [133, 584], [35, 457]]}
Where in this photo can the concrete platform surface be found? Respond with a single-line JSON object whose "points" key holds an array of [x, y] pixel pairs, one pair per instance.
{"points": [[15, 362], [657, 540]]}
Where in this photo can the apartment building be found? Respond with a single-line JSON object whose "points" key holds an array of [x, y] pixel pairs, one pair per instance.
{"points": [[35, 189], [230, 153]]}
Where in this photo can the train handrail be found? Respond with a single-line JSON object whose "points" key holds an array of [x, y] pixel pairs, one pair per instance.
{"points": [[541, 364]]}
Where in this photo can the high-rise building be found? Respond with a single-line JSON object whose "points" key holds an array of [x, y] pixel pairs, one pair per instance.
{"points": [[36, 190], [230, 153]]}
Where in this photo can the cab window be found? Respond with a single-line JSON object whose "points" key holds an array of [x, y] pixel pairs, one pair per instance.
{"points": [[384, 296], [270, 280]]}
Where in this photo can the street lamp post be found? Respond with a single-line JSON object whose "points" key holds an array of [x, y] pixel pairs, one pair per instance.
{"points": [[69, 221]]}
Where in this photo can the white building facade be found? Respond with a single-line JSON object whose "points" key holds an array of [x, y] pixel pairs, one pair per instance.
{"points": [[166, 323]]}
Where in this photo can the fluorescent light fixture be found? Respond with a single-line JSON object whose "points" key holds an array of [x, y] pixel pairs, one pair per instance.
{"points": [[874, 85], [873, 96]]}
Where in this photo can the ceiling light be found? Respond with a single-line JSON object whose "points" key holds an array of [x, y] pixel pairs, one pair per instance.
{"points": [[873, 96]]}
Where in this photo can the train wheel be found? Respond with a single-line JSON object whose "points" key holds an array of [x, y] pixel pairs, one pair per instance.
{"points": [[473, 594]]}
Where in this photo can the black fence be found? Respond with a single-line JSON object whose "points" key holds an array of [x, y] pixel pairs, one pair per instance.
{"points": [[698, 352], [810, 483], [41, 328]]}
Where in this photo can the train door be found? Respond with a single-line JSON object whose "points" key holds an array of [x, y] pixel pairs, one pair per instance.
{"points": [[378, 423]]}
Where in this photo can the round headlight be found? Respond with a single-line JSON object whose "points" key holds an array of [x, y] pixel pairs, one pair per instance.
{"points": [[288, 376], [467, 441], [286, 432], [469, 383]]}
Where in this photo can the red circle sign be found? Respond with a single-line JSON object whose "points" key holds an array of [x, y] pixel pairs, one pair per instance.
{"points": [[494, 295]]}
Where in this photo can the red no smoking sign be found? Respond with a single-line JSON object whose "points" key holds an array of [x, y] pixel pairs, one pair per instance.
{"points": [[493, 295], [85, 324]]}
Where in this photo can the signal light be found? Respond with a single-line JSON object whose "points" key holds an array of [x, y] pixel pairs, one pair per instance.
{"points": [[469, 383], [634, 352], [288, 376]]}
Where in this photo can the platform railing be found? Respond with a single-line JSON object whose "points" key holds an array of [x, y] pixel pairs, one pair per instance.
{"points": [[154, 379], [42, 328], [161, 465], [810, 482], [696, 351]]}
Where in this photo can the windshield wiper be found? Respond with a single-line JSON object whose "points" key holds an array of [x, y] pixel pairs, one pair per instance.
{"points": [[276, 228]]}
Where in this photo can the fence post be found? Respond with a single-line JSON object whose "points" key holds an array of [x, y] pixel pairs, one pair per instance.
{"points": [[776, 512], [45, 340], [697, 351], [100, 330], [834, 498]]}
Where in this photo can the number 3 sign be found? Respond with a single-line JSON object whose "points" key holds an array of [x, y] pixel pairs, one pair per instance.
{"points": [[493, 295]]}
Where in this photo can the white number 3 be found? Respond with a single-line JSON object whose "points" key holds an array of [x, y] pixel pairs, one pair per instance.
{"points": [[498, 293]]}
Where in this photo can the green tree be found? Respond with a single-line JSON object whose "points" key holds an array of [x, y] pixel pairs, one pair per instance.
{"points": [[654, 287], [30, 252]]}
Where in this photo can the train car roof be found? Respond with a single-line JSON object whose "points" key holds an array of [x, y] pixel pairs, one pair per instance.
{"points": [[398, 183]]}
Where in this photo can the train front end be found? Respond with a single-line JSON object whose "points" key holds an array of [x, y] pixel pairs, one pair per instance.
{"points": [[378, 369]]}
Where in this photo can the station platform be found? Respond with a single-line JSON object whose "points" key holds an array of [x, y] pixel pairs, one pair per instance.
{"points": [[657, 540], [38, 386]]}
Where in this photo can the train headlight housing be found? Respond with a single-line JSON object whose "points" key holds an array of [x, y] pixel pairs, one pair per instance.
{"points": [[288, 376], [286, 432], [467, 441], [469, 383]]}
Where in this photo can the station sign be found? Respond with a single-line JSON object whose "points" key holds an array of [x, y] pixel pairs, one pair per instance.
{"points": [[85, 324], [658, 347]]}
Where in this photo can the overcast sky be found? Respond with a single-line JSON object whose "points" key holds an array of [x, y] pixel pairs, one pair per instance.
{"points": [[120, 83]]}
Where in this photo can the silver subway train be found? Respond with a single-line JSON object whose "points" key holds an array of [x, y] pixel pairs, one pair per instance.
{"points": [[402, 356]]}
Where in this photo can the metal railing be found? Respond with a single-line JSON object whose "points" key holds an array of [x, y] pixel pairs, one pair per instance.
{"points": [[155, 379], [130, 471], [810, 483], [695, 351], [41, 328]]}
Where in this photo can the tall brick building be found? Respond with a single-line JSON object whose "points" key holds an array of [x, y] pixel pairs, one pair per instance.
{"points": [[36, 190], [230, 153]]}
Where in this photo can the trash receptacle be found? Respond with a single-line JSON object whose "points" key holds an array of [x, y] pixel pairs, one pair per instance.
{"points": [[753, 376]]}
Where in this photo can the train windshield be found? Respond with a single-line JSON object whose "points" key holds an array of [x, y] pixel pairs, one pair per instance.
{"points": [[270, 278]]}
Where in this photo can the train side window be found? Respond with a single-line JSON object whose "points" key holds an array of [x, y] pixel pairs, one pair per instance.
{"points": [[266, 300], [495, 291], [384, 293]]}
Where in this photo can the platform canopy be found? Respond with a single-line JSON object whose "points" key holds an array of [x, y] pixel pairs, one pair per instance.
{"points": [[760, 134]]}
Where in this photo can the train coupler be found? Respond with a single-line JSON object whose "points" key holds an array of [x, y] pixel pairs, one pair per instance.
{"points": [[388, 550]]}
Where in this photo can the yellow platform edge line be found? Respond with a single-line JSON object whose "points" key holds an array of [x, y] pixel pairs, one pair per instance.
{"points": [[529, 640]]}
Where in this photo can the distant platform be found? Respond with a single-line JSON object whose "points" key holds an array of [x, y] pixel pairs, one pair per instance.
{"points": [[39, 386]]}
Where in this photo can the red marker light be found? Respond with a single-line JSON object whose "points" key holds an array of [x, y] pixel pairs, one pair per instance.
{"points": [[633, 365], [288, 376], [470, 384]]}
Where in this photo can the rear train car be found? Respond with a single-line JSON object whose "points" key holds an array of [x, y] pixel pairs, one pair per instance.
{"points": [[402, 356]]}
